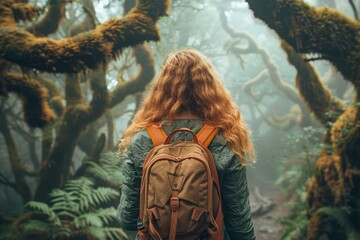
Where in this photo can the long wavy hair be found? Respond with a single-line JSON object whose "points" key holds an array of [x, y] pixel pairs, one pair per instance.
{"points": [[188, 83]]}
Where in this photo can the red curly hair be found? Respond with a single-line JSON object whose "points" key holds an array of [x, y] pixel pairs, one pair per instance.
{"points": [[188, 83]]}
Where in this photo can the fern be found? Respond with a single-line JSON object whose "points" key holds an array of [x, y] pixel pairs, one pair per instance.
{"points": [[90, 198], [298, 168], [100, 172], [39, 227], [43, 208], [296, 228], [115, 233], [105, 233], [96, 218], [341, 216], [94, 233], [89, 219], [107, 214], [81, 209], [103, 194], [113, 166]]}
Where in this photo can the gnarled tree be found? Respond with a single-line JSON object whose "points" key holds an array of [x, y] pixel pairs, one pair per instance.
{"points": [[90, 50], [334, 37]]}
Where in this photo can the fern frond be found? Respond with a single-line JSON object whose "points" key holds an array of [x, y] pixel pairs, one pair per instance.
{"points": [[66, 214], [61, 233], [64, 203], [94, 232], [97, 171], [80, 184], [37, 227], [341, 216], [76, 209], [112, 164], [104, 233], [59, 195], [107, 214], [10, 233], [105, 194], [115, 233], [43, 208], [295, 228], [88, 219]]}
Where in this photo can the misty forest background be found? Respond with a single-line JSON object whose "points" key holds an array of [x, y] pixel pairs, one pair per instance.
{"points": [[73, 73]]}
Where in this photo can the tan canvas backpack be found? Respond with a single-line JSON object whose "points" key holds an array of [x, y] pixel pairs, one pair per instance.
{"points": [[180, 194]]}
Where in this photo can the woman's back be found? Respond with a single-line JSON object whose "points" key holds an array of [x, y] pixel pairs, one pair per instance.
{"points": [[232, 176], [188, 85]]}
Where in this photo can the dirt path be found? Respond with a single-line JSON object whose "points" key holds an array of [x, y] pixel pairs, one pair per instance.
{"points": [[268, 226]]}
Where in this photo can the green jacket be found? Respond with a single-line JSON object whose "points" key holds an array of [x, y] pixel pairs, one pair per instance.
{"points": [[232, 177]]}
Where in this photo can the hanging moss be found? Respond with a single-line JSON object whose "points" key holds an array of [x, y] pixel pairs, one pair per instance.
{"points": [[324, 31], [7, 15], [86, 50], [335, 37], [55, 95], [72, 55], [25, 12], [318, 97]]}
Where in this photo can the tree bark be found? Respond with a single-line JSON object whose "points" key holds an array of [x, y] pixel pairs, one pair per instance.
{"points": [[21, 185], [76, 117], [86, 50], [334, 37]]}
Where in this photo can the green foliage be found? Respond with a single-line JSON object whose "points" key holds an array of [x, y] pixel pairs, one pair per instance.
{"points": [[296, 226], [82, 209], [298, 165], [341, 216], [297, 169]]}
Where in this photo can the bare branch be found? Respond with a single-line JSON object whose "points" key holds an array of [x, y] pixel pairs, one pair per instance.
{"points": [[5, 181], [354, 9]]}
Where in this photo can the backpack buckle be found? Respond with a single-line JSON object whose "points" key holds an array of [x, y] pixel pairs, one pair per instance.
{"points": [[174, 203]]}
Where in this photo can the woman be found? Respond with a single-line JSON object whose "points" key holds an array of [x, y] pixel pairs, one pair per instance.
{"points": [[189, 93]]}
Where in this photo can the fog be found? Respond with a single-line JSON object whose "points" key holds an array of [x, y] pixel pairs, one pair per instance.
{"points": [[253, 66]]}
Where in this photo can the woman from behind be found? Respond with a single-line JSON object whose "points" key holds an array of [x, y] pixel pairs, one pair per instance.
{"points": [[188, 93]]}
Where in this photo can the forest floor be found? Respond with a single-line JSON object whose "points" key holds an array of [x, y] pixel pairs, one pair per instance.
{"points": [[268, 225]]}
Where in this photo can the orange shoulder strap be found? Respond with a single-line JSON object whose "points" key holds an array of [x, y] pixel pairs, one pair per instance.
{"points": [[156, 133], [206, 134]]}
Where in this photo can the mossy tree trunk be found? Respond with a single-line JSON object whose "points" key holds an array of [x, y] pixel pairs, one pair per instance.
{"points": [[85, 50], [146, 63], [335, 38]]}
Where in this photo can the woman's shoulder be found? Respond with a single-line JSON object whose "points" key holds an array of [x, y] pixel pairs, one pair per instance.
{"points": [[140, 141], [221, 151]]}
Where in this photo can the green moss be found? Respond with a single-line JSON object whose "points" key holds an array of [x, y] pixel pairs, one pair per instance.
{"points": [[86, 50], [316, 95], [336, 38], [25, 12], [324, 31]]}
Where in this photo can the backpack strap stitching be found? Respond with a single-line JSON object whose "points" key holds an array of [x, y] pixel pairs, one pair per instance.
{"points": [[206, 134], [156, 133]]}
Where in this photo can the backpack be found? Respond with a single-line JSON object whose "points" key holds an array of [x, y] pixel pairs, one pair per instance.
{"points": [[180, 194]]}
